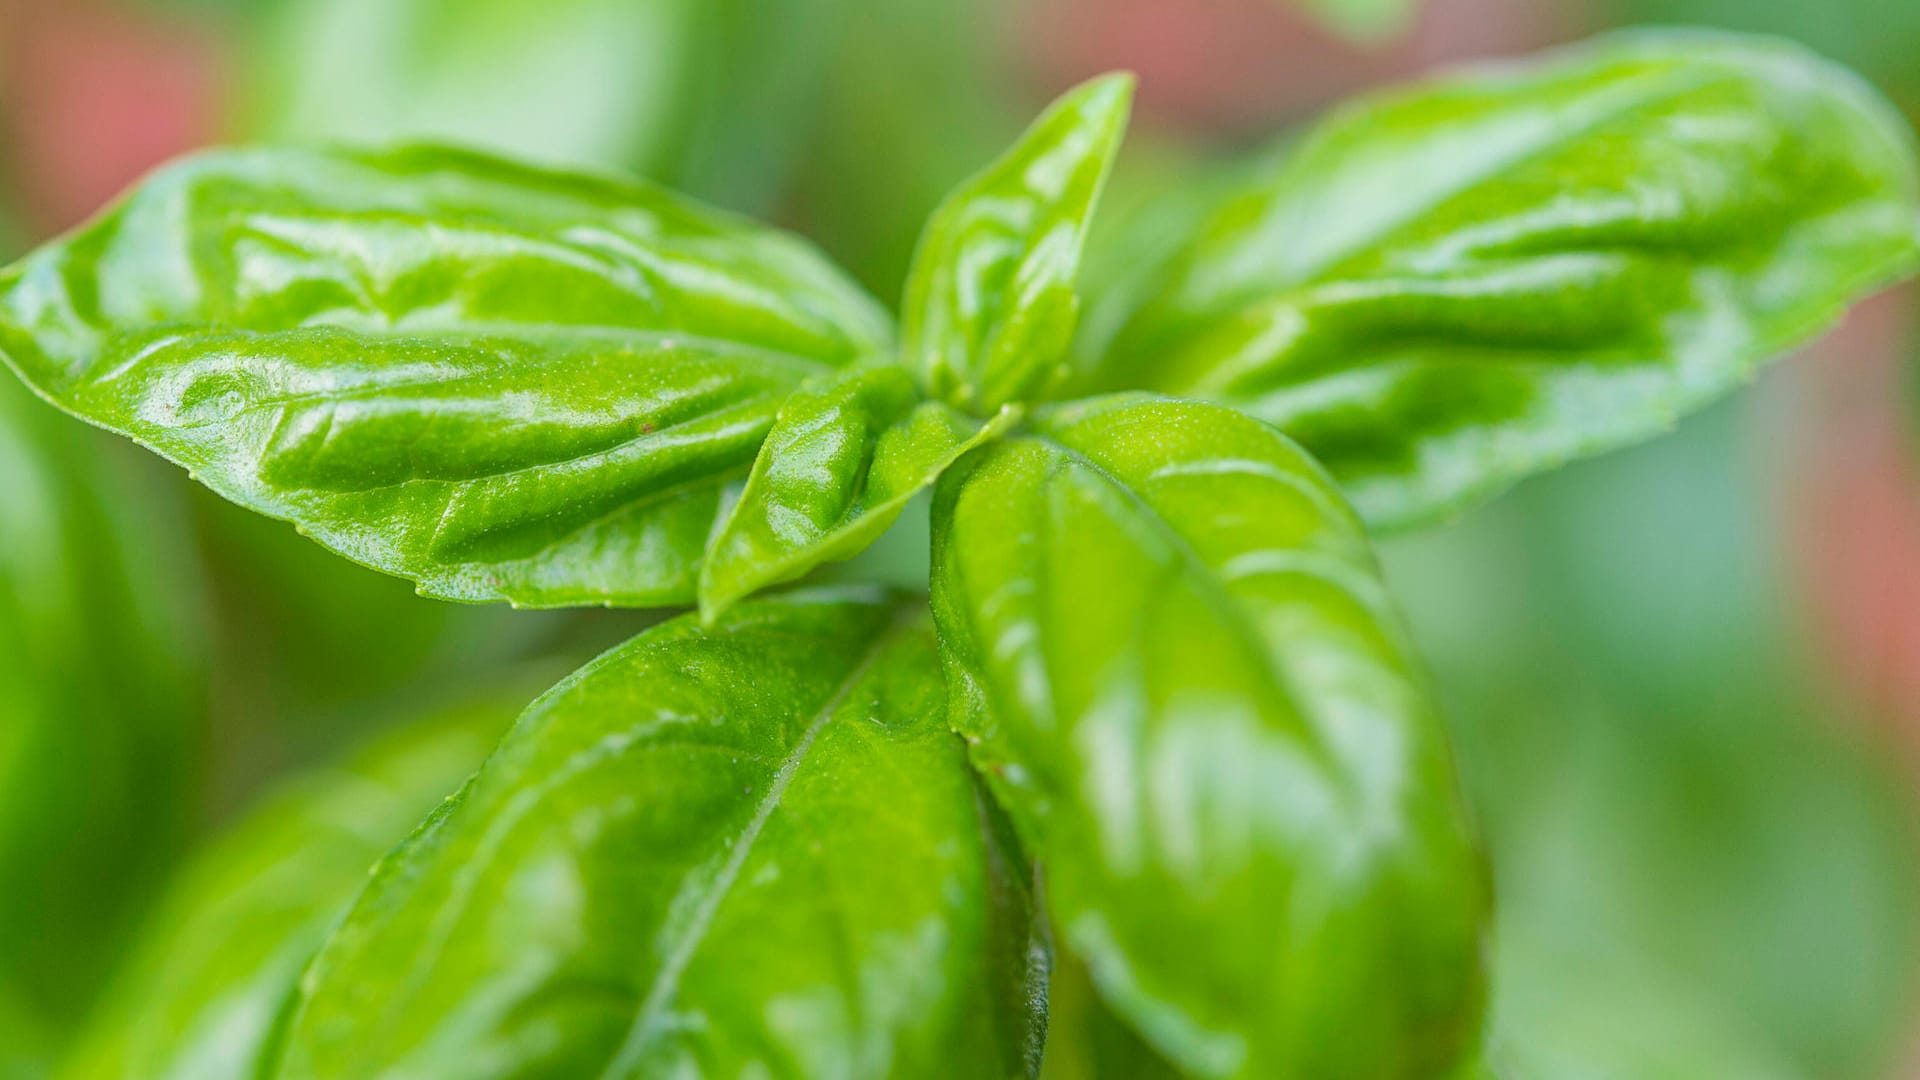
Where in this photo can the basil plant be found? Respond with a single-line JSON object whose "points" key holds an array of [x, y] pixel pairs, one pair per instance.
{"points": [[1154, 724]]}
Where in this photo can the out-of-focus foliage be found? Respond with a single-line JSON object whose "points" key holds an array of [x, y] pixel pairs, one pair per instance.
{"points": [[100, 711], [570, 81], [216, 972], [1362, 20], [917, 96], [1877, 37], [712, 96], [1703, 870], [1085, 1040]]}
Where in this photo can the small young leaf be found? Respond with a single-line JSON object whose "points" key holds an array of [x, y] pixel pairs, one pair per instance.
{"points": [[750, 850], [990, 304], [1168, 642], [1449, 288], [500, 382], [219, 968], [839, 466]]}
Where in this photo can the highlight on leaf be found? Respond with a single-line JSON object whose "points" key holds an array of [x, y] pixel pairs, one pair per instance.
{"points": [[501, 382], [1446, 288], [1170, 649], [839, 466], [990, 305]]}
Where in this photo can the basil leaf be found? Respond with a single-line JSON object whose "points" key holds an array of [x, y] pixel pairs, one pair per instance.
{"points": [[1450, 287], [839, 466], [101, 667], [1170, 648], [218, 970], [990, 304], [750, 850], [499, 382]]}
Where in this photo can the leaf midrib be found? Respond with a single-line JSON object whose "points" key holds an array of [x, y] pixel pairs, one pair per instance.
{"points": [[1211, 591], [666, 981]]}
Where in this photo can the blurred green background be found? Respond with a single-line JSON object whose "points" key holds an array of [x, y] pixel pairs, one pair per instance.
{"points": [[1685, 680]]}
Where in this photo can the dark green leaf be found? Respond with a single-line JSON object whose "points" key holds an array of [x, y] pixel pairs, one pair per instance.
{"points": [[218, 970], [1169, 646], [100, 671], [499, 382], [1085, 1040], [839, 466], [754, 850], [990, 305], [1446, 289]]}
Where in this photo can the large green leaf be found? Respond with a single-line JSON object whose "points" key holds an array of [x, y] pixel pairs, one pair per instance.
{"points": [[218, 970], [990, 304], [1445, 289], [1169, 646], [100, 661], [840, 465], [754, 850], [499, 382]]}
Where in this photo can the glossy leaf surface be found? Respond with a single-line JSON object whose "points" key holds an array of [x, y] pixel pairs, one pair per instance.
{"points": [[839, 466], [218, 970], [754, 850], [990, 305], [1170, 649], [500, 382], [1447, 288]]}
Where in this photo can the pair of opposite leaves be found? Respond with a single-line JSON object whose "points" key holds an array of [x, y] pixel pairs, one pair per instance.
{"points": [[1161, 628]]}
